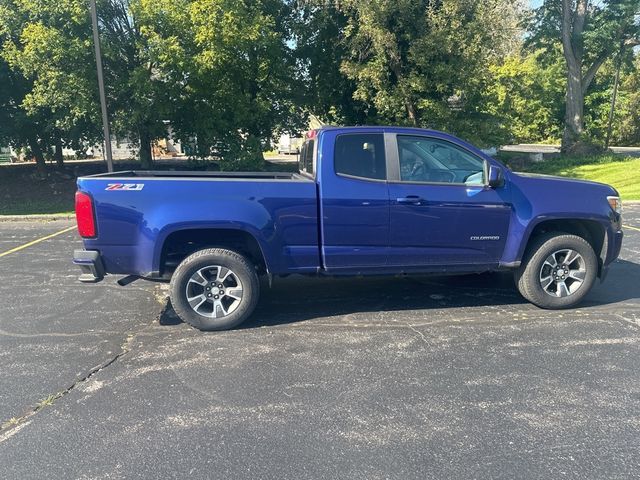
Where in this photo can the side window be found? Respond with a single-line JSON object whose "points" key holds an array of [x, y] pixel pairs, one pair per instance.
{"points": [[305, 163], [361, 155], [425, 159]]}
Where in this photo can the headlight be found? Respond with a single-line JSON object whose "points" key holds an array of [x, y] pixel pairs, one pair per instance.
{"points": [[616, 204]]}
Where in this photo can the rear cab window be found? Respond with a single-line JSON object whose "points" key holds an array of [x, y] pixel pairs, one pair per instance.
{"points": [[361, 155], [305, 162]]}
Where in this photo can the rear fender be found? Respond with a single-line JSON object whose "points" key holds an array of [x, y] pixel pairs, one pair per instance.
{"points": [[237, 226]]}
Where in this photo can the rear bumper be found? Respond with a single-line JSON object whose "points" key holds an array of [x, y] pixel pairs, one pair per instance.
{"points": [[90, 264]]}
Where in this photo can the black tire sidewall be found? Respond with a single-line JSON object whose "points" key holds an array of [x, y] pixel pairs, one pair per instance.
{"points": [[528, 280], [225, 258]]}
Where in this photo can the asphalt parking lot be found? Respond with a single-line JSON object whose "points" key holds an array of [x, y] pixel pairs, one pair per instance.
{"points": [[350, 378]]}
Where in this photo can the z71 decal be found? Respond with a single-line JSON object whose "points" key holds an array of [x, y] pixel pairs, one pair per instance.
{"points": [[135, 187]]}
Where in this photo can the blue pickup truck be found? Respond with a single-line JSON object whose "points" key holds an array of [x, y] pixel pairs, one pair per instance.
{"points": [[366, 201]]}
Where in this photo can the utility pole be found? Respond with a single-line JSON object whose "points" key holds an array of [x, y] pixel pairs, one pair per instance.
{"points": [[103, 100]]}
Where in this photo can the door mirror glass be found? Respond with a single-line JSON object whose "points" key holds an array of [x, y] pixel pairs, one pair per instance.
{"points": [[495, 176]]}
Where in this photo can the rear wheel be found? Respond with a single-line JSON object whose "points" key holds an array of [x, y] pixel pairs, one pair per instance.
{"points": [[558, 271], [214, 289]]}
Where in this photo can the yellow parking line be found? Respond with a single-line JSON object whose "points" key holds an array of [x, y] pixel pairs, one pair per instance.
{"points": [[22, 247], [632, 228]]}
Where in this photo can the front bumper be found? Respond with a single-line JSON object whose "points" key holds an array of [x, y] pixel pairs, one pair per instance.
{"points": [[610, 252], [90, 264], [617, 245]]}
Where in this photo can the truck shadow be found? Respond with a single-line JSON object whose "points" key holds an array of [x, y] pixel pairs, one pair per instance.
{"points": [[298, 299]]}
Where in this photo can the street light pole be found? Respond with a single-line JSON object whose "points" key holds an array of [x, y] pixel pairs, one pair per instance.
{"points": [[103, 100]]}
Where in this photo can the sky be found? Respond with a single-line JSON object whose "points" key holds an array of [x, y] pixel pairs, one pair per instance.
{"points": [[535, 3]]}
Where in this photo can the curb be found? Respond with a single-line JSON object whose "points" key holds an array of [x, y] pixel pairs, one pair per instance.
{"points": [[37, 218]]}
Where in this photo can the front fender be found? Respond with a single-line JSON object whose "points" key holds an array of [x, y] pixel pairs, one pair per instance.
{"points": [[539, 199], [516, 249]]}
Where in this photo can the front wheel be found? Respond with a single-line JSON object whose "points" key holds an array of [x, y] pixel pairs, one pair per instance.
{"points": [[214, 289], [558, 271]]}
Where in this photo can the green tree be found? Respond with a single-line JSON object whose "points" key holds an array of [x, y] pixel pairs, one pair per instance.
{"points": [[52, 47], [528, 92], [627, 124], [135, 92], [227, 70], [321, 48], [590, 33], [17, 127], [52, 50], [425, 63]]}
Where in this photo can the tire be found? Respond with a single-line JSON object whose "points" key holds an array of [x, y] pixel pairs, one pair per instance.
{"points": [[198, 279], [541, 283]]}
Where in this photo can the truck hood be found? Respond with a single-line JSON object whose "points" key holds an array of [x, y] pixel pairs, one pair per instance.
{"points": [[552, 179]]}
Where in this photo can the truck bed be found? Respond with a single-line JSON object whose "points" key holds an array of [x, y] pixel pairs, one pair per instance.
{"points": [[139, 212]]}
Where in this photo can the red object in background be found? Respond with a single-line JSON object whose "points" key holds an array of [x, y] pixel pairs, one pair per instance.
{"points": [[85, 215]]}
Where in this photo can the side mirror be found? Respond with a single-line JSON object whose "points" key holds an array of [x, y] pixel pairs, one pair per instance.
{"points": [[495, 177]]}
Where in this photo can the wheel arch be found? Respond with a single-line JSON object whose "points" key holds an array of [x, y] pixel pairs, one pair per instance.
{"points": [[180, 243], [593, 231]]}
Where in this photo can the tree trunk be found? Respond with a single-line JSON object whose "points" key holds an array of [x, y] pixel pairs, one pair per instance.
{"points": [[574, 19], [396, 68], [614, 97], [573, 22], [411, 112], [36, 150], [57, 154], [574, 114], [146, 159]]}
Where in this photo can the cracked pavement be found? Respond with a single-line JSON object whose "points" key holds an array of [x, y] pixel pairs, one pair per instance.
{"points": [[422, 377]]}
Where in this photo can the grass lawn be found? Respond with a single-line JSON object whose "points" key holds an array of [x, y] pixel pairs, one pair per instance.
{"points": [[623, 173]]}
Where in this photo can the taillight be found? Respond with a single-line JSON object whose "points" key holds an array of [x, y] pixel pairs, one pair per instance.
{"points": [[84, 215]]}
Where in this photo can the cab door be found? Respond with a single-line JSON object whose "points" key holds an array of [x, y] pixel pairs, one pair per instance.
{"points": [[441, 211], [354, 200]]}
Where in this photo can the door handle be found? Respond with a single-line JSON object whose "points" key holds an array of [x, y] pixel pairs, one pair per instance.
{"points": [[410, 200]]}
